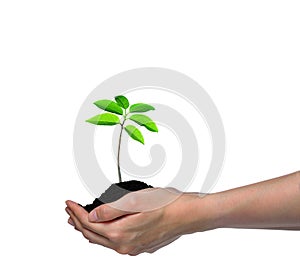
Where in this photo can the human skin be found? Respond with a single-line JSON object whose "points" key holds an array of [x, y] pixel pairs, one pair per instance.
{"points": [[139, 222]]}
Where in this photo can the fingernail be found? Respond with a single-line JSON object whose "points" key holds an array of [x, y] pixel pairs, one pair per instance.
{"points": [[93, 216], [70, 221]]}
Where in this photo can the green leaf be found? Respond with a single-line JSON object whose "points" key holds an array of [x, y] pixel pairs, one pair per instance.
{"points": [[140, 108], [109, 106], [122, 101], [134, 133], [145, 121], [104, 119]]}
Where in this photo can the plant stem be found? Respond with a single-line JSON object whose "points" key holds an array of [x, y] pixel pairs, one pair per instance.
{"points": [[119, 148]]}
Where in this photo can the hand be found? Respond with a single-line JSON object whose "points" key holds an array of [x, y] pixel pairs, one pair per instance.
{"points": [[142, 221]]}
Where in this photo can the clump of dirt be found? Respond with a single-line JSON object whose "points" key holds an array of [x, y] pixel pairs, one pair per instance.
{"points": [[115, 192]]}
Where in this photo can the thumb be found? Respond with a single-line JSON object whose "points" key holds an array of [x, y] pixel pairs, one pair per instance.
{"points": [[105, 213], [124, 206], [135, 202]]}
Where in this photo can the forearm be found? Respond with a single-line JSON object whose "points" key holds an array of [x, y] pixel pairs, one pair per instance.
{"points": [[272, 204]]}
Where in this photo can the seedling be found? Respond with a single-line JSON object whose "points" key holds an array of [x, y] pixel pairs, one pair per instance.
{"points": [[119, 113]]}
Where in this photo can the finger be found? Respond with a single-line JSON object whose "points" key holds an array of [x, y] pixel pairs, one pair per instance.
{"points": [[81, 216], [97, 239], [88, 234], [76, 210], [106, 213], [71, 222], [76, 222]]}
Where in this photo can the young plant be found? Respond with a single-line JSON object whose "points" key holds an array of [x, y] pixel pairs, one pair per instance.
{"points": [[120, 112]]}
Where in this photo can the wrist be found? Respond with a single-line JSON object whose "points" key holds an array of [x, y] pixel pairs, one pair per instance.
{"points": [[196, 213], [212, 209]]}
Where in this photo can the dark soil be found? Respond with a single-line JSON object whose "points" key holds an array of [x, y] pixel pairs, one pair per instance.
{"points": [[115, 192]]}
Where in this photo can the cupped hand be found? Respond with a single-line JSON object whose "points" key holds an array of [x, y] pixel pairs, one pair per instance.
{"points": [[142, 221]]}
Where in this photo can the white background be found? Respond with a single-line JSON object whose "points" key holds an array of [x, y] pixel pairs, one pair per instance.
{"points": [[245, 54]]}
